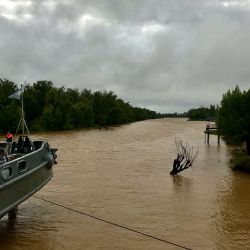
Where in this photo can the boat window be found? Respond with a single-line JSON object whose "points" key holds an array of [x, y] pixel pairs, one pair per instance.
{"points": [[22, 166], [6, 173]]}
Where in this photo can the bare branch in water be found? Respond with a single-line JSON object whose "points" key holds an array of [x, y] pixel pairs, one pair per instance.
{"points": [[185, 156]]}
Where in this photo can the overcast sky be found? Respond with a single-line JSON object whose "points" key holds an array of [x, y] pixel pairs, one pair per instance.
{"points": [[166, 55]]}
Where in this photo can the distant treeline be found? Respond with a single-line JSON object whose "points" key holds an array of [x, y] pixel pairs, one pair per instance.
{"points": [[50, 108], [203, 113], [175, 115]]}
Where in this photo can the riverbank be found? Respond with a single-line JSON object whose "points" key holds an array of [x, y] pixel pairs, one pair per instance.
{"points": [[240, 160]]}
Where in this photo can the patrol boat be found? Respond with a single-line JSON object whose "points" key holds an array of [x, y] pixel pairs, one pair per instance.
{"points": [[25, 167]]}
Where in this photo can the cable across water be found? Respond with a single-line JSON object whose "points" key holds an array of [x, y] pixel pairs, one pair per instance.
{"points": [[112, 223]]}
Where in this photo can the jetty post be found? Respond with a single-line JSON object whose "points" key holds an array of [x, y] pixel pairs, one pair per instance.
{"points": [[211, 129]]}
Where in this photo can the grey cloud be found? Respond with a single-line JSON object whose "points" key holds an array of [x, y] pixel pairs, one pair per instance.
{"points": [[165, 55]]}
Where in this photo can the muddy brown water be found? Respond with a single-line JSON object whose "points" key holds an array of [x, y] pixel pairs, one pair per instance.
{"points": [[122, 175]]}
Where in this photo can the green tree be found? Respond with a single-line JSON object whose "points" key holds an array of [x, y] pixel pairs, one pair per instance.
{"points": [[40, 89], [50, 108], [48, 118], [9, 108], [31, 105], [203, 113], [234, 117]]}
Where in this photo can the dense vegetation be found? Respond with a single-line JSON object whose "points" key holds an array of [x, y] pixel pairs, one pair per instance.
{"points": [[50, 108], [203, 113], [234, 117]]}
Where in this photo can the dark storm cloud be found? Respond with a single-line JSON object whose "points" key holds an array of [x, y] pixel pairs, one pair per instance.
{"points": [[165, 55]]}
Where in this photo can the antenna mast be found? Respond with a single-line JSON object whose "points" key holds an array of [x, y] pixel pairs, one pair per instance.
{"points": [[23, 121]]}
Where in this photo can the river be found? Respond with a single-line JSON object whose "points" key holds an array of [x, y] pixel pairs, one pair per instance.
{"points": [[121, 175]]}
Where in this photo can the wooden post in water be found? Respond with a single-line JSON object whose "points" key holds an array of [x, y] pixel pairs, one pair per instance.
{"points": [[213, 130], [207, 136], [207, 133], [218, 134]]}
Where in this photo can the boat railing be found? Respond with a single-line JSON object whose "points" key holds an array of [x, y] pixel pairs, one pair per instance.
{"points": [[19, 163], [15, 153]]}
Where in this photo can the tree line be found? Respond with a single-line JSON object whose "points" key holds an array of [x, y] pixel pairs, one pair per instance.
{"points": [[234, 117], [203, 113], [50, 108]]}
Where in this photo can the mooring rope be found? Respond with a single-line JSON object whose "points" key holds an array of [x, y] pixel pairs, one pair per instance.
{"points": [[112, 223]]}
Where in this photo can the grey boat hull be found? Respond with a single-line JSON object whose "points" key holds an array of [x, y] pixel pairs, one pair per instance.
{"points": [[28, 173]]}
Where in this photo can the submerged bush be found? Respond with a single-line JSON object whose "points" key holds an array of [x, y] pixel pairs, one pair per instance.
{"points": [[240, 160]]}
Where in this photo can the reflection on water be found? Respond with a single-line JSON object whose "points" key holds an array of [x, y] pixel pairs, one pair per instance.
{"points": [[232, 222], [122, 175]]}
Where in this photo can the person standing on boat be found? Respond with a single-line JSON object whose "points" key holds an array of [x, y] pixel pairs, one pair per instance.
{"points": [[9, 137]]}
